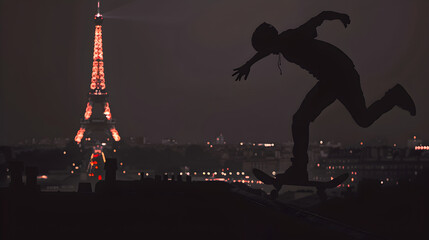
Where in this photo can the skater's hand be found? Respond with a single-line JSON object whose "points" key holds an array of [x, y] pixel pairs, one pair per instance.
{"points": [[242, 71], [345, 19]]}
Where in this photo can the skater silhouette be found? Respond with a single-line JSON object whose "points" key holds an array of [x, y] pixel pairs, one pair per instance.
{"points": [[337, 77]]}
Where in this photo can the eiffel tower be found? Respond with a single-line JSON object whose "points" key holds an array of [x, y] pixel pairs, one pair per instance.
{"points": [[97, 131]]}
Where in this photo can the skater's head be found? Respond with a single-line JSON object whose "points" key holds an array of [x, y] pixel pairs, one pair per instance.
{"points": [[264, 37]]}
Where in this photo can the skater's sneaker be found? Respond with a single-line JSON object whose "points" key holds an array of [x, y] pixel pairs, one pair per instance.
{"points": [[295, 175], [403, 99]]}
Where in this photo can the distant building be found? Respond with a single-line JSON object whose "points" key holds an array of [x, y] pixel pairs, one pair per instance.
{"points": [[414, 142], [169, 141], [388, 165], [220, 140], [136, 140]]}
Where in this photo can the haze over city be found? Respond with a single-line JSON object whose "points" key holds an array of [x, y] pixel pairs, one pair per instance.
{"points": [[169, 65], [244, 119]]}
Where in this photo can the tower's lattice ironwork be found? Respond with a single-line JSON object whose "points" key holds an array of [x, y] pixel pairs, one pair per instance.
{"points": [[97, 130]]}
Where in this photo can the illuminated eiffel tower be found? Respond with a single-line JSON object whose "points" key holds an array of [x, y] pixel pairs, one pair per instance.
{"points": [[97, 131]]}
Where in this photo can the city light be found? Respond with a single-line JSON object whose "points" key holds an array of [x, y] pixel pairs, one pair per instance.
{"points": [[265, 144], [425, 148]]}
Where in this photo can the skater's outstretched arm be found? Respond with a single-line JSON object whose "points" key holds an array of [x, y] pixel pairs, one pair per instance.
{"points": [[245, 68], [313, 23]]}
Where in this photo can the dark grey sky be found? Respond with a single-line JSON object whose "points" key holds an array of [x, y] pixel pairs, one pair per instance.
{"points": [[169, 64]]}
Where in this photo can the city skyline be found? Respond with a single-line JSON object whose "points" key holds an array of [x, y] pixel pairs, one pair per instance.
{"points": [[213, 140], [170, 76]]}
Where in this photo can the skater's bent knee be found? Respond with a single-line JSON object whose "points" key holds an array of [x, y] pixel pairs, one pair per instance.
{"points": [[301, 118], [364, 123]]}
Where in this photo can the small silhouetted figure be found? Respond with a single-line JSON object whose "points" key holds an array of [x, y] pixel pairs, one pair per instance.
{"points": [[31, 181], [110, 167], [16, 168], [337, 77]]}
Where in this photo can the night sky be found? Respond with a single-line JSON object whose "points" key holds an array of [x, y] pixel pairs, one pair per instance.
{"points": [[168, 68]]}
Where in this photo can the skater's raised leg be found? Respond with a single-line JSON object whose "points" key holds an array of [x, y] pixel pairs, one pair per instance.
{"points": [[354, 101]]}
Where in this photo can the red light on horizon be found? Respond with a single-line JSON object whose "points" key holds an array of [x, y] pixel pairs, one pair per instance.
{"points": [[100, 177]]}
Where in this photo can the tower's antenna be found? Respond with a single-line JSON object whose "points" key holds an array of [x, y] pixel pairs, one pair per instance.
{"points": [[98, 7], [98, 17]]}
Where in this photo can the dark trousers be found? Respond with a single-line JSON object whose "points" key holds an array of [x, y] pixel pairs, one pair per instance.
{"points": [[348, 91]]}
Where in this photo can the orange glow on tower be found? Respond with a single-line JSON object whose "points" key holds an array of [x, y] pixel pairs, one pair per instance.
{"points": [[79, 135], [107, 111], [88, 111], [98, 83], [115, 134]]}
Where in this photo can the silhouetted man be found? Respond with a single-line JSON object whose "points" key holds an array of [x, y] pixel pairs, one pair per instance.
{"points": [[337, 77]]}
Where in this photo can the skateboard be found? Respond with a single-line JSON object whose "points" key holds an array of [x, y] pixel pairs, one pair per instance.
{"points": [[320, 186]]}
